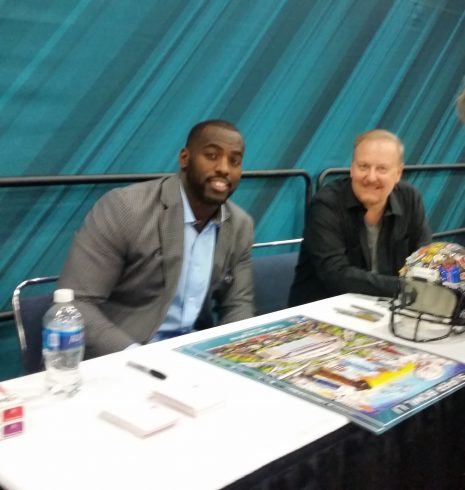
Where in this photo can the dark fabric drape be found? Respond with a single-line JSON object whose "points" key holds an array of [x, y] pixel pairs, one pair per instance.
{"points": [[427, 451]]}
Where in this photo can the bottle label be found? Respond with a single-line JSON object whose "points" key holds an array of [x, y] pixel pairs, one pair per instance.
{"points": [[57, 340]]}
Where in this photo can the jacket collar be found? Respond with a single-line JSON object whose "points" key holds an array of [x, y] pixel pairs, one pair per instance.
{"points": [[173, 242]]}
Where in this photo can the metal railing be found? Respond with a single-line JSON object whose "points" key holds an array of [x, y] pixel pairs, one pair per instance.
{"points": [[407, 168], [277, 243], [57, 180], [54, 180]]}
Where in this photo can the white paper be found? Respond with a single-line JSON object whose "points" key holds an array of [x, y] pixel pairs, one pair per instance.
{"points": [[191, 399], [141, 420]]}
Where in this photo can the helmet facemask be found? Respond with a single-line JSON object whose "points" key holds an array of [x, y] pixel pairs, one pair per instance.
{"points": [[425, 311]]}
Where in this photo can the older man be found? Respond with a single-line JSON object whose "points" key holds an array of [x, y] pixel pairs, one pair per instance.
{"points": [[359, 230], [153, 260]]}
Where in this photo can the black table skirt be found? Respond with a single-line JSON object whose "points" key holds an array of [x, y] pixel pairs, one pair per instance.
{"points": [[426, 451]]}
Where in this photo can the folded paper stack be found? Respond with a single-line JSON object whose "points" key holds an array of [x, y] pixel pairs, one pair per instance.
{"points": [[191, 399], [11, 414], [140, 419]]}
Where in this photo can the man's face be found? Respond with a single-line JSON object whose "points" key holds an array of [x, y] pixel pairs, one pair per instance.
{"points": [[376, 168], [212, 165]]}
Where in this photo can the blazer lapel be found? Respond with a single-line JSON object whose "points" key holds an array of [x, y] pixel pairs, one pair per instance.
{"points": [[171, 232], [223, 244]]}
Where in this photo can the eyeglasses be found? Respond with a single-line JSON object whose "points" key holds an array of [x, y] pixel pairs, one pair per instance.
{"points": [[425, 311]]}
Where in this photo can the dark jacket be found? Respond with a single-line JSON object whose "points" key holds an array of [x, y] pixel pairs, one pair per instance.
{"points": [[334, 257]]}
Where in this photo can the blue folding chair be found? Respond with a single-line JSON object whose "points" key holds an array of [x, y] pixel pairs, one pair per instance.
{"points": [[273, 276], [28, 312]]}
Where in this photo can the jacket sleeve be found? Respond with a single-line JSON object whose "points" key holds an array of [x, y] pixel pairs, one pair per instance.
{"points": [[327, 250], [93, 266], [236, 302], [421, 231]]}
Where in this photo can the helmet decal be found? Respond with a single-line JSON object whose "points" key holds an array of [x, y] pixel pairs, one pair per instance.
{"points": [[439, 262]]}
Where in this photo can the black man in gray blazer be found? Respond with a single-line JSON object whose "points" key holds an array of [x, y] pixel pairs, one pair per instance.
{"points": [[126, 261]]}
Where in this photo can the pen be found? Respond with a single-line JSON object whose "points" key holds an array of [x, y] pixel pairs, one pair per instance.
{"points": [[367, 310], [364, 315], [145, 369]]}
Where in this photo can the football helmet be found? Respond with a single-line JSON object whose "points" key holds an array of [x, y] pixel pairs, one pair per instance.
{"points": [[430, 304]]}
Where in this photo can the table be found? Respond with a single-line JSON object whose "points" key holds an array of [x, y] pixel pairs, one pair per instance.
{"points": [[258, 438]]}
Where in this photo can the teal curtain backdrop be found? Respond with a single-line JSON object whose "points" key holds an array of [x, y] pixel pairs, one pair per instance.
{"points": [[96, 86]]}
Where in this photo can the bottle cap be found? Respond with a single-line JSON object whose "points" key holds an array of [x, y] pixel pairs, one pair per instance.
{"points": [[63, 296]]}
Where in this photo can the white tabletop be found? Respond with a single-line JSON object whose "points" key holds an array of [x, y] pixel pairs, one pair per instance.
{"points": [[66, 445]]}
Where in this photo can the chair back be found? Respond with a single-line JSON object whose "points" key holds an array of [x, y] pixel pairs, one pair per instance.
{"points": [[273, 276], [28, 312]]}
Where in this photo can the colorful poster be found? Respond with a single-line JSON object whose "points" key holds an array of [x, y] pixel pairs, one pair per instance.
{"points": [[373, 382]]}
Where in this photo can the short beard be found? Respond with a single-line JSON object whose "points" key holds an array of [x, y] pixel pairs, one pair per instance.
{"points": [[199, 190]]}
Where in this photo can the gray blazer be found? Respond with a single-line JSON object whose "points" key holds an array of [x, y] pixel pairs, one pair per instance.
{"points": [[125, 263]]}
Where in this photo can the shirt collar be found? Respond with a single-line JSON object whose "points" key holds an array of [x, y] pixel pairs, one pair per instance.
{"points": [[189, 217]]}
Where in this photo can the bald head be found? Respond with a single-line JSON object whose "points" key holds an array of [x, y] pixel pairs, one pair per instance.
{"points": [[380, 135]]}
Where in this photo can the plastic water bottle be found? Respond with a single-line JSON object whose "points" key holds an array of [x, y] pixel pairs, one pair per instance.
{"points": [[63, 344]]}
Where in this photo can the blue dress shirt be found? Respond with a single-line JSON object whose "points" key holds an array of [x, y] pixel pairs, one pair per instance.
{"points": [[194, 281]]}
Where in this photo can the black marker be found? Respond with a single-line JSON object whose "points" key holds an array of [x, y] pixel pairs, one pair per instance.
{"points": [[145, 369]]}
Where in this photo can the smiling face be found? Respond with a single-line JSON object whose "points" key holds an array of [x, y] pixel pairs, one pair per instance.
{"points": [[376, 168], [211, 167]]}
